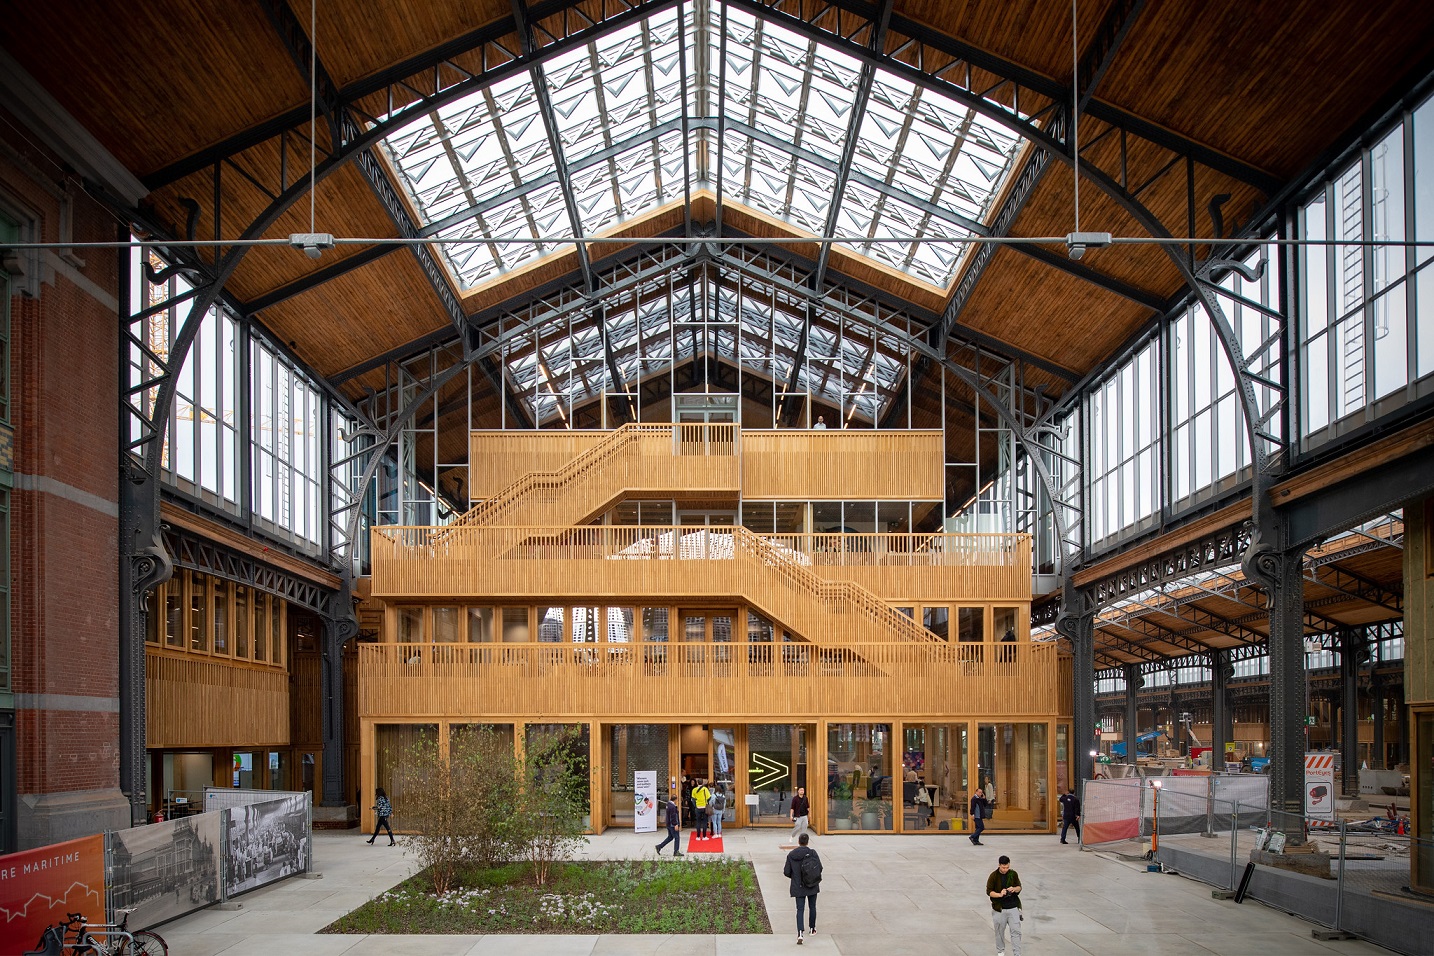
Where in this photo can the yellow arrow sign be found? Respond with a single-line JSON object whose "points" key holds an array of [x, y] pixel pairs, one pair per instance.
{"points": [[765, 771]]}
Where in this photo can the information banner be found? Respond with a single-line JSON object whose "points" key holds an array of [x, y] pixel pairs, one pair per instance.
{"points": [[644, 801], [1319, 786], [39, 887]]}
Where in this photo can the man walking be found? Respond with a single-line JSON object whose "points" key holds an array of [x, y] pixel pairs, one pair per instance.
{"points": [[979, 805], [1003, 887], [801, 808], [700, 797], [674, 827], [716, 807], [1070, 812], [804, 869]]}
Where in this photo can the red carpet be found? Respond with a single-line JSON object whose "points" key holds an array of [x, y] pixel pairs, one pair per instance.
{"points": [[708, 845]]}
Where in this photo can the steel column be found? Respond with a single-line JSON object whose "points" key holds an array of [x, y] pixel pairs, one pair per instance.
{"points": [[1280, 574], [340, 624], [1376, 708], [1351, 653], [1221, 732], [1131, 730], [1077, 624]]}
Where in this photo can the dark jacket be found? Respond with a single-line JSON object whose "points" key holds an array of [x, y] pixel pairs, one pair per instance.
{"points": [[995, 882], [674, 820], [801, 807], [1070, 807], [793, 871], [978, 807]]}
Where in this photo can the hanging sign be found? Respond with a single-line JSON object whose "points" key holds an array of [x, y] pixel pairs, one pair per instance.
{"points": [[644, 801]]}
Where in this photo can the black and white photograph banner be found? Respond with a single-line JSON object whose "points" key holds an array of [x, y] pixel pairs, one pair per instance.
{"points": [[164, 870], [266, 842]]}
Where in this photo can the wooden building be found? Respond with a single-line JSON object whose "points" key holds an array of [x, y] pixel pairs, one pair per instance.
{"points": [[859, 664]]}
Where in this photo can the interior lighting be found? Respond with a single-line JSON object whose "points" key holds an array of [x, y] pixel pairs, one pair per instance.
{"points": [[1078, 242], [313, 243]]}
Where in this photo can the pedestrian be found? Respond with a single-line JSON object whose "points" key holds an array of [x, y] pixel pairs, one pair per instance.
{"points": [[821, 422], [1003, 887], [701, 796], [384, 809], [674, 827], [979, 806], [804, 869], [801, 809], [716, 808], [1070, 812]]}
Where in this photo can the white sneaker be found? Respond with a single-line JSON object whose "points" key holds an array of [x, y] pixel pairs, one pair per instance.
{"points": [[799, 939]]}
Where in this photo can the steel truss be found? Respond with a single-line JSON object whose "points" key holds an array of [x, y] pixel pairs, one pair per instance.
{"points": [[199, 554]]}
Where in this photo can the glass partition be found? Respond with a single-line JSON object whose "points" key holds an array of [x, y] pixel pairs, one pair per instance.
{"points": [[634, 747], [934, 796], [776, 765], [395, 769], [1013, 760], [860, 787]]}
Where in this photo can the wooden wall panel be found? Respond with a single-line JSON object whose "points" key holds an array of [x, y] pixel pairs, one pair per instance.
{"points": [[192, 702], [839, 464], [792, 683], [499, 458]]}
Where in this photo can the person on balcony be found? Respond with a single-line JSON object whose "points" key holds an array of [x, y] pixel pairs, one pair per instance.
{"points": [[821, 422]]}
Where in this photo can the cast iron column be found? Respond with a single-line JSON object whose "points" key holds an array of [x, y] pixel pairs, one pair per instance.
{"points": [[1351, 653], [1220, 730], [1376, 710], [143, 563], [340, 624], [1279, 574], [1131, 730], [1076, 623]]}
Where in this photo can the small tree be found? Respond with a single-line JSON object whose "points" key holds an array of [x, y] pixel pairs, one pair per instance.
{"points": [[551, 803], [462, 806]]}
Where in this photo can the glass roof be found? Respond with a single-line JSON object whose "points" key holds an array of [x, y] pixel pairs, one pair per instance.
{"points": [[559, 361], [767, 127]]}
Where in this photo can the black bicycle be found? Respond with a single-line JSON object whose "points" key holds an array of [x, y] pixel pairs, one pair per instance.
{"points": [[77, 934]]}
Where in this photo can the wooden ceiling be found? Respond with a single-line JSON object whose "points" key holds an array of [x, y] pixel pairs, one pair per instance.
{"points": [[1270, 86]]}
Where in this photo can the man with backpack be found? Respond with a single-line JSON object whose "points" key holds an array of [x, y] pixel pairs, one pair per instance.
{"points": [[1003, 887], [804, 869], [700, 798], [716, 807]]}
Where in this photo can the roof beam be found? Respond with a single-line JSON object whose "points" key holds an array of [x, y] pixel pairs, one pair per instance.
{"points": [[523, 24], [318, 277]]}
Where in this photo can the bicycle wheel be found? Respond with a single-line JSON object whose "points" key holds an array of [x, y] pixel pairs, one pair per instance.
{"points": [[148, 944]]}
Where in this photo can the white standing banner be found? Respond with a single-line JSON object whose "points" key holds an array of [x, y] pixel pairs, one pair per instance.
{"points": [[1319, 786], [644, 801]]}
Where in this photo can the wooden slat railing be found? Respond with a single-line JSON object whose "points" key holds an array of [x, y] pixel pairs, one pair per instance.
{"points": [[641, 562], [635, 457], [738, 680], [194, 702]]}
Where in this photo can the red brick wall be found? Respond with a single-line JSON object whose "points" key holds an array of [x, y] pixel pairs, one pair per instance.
{"points": [[64, 572]]}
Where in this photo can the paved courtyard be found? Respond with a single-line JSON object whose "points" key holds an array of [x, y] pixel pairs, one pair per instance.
{"points": [[885, 896]]}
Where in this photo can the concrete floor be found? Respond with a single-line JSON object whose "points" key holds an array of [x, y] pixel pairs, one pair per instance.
{"points": [[882, 895]]}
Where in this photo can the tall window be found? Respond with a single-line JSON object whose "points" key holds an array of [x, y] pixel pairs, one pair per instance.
{"points": [[201, 446], [288, 433], [1124, 453], [1367, 299]]}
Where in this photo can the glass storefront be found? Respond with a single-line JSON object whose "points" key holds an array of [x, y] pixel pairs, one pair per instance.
{"points": [[860, 788], [633, 747], [934, 760], [1013, 771], [776, 765]]}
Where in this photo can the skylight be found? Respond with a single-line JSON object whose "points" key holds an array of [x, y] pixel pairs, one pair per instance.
{"points": [[767, 127]]}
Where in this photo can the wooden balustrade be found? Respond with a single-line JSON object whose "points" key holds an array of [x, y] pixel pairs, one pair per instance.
{"points": [[818, 464], [636, 458], [193, 702], [797, 681], [835, 463], [634, 563]]}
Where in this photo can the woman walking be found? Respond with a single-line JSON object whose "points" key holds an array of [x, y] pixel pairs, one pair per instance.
{"points": [[384, 809]]}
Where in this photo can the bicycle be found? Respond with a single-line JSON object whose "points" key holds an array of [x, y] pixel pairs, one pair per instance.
{"points": [[100, 939]]}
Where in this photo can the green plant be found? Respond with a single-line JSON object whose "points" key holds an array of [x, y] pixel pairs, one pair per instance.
{"points": [[551, 800]]}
